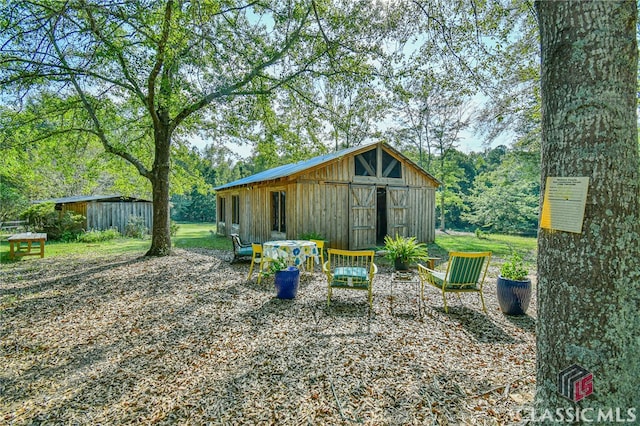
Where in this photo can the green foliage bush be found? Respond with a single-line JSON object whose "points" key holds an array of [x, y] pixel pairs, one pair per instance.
{"points": [[95, 236], [66, 228], [514, 269], [481, 235], [57, 225], [311, 236], [173, 228], [136, 227], [405, 249], [38, 214], [277, 264]]}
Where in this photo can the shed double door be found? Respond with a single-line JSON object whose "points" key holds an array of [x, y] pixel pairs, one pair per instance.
{"points": [[398, 211], [364, 219]]}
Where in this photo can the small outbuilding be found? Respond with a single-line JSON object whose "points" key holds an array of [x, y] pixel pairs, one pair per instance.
{"points": [[353, 198], [106, 211]]}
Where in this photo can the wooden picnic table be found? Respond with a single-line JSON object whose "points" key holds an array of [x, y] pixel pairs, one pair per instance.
{"points": [[29, 238]]}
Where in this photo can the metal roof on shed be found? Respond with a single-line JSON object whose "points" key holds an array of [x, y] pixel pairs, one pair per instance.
{"points": [[301, 166], [290, 169], [87, 198]]}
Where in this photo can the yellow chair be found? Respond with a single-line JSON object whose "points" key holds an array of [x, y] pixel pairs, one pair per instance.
{"points": [[256, 258], [320, 245], [350, 270], [465, 273]]}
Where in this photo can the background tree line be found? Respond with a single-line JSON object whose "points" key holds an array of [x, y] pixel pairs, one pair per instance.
{"points": [[410, 72], [495, 190]]}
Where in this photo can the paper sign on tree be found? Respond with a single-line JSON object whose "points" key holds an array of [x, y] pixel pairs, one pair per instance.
{"points": [[564, 203]]}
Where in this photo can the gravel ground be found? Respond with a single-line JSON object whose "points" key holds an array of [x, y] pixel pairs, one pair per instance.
{"points": [[187, 339]]}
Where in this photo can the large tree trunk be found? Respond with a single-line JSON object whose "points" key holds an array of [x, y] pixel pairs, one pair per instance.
{"points": [[161, 238], [589, 282]]}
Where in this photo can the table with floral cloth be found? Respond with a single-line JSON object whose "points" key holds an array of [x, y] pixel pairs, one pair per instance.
{"points": [[296, 251]]}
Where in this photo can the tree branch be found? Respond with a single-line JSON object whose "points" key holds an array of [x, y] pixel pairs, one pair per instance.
{"points": [[121, 60], [446, 38], [99, 132], [255, 72], [159, 63]]}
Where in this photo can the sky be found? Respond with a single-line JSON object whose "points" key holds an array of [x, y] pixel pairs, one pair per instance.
{"points": [[469, 142]]}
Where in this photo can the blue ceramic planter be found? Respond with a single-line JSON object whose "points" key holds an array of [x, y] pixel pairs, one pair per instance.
{"points": [[286, 283], [513, 296]]}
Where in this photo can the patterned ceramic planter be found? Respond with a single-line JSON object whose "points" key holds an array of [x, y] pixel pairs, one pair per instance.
{"points": [[514, 296]]}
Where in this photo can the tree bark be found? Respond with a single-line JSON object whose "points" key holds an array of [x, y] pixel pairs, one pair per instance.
{"points": [[161, 237], [589, 283]]}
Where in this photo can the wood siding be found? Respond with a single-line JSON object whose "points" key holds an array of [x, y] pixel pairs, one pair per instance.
{"points": [[106, 215], [398, 210], [321, 201], [362, 218]]}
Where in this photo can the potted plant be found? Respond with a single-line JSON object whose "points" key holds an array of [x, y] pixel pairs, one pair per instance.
{"points": [[514, 287], [404, 250], [286, 278]]}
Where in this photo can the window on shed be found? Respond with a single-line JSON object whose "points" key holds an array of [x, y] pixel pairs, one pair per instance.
{"points": [[391, 167], [222, 209], [235, 209], [367, 163], [278, 209]]}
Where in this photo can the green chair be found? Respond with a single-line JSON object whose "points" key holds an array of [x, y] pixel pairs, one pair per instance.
{"points": [[350, 270], [465, 273]]}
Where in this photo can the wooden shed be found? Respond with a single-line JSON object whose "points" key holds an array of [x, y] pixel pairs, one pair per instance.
{"points": [[106, 211], [353, 198]]}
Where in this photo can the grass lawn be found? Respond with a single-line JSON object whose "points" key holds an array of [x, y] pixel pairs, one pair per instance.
{"points": [[202, 235], [190, 235], [501, 246]]}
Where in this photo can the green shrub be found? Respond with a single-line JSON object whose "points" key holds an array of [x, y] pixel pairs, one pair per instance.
{"points": [[514, 269], [311, 236], [136, 227], [481, 235], [57, 225], [405, 249], [38, 215], [66, 228], [95, 236], [173, 228]]}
